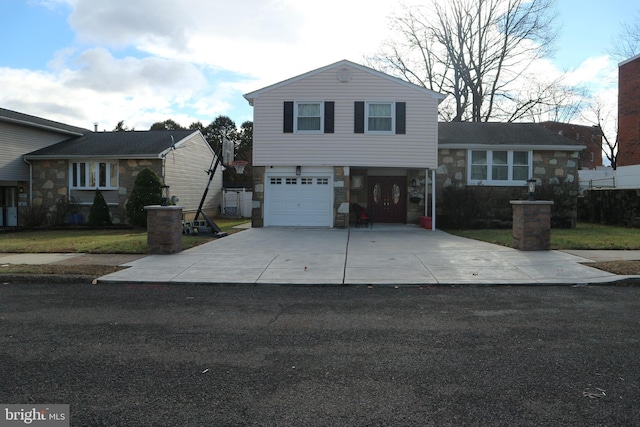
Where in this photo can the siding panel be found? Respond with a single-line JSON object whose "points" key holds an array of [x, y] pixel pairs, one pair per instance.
{"points": [[416, 148], [185, 173], [16, 141]]}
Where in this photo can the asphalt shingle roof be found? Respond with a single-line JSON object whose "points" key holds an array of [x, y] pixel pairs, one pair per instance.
{"points": [[468, 133], [115, 144], [27, 119]]}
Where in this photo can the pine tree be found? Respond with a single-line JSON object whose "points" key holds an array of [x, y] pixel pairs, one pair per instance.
{"points": [[99, 214]]}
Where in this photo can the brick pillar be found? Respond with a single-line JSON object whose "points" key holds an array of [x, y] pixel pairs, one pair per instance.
{"points": [[164, 229], [531, 225]]}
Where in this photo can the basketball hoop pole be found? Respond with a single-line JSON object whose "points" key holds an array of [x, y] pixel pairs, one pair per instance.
{"points": [[211, 173]]}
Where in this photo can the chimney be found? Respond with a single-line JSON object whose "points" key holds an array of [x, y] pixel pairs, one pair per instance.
{"points": [[95, 126]]}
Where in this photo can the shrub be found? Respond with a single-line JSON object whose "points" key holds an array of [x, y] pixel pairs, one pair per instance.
{"points": [[34, 215], [99, 214], [147, 190]]}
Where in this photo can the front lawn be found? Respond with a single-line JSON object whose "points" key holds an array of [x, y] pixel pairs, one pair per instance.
{"points": [[109, 241], [584, 236]]}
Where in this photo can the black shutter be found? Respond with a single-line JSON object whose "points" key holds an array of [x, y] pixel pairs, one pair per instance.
{"points": [[329, 107], [288, 117], [401, 118], [358, 114]]}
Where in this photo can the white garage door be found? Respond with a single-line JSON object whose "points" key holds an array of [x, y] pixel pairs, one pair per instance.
{"points": [[298, 201]]}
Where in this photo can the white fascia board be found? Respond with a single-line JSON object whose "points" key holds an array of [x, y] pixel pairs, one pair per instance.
{"points": [[344, 63]]}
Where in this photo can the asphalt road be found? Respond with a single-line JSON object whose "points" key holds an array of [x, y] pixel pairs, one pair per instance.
{"points": [[145, 355]]}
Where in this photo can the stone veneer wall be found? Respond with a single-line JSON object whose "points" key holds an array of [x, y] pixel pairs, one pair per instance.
{"points": [[549, 168], [51, 183], [341, 183], [257, 217]]}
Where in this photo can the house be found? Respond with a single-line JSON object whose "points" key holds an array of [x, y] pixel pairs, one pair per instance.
{"points": [[629, 112], [339, 135], [47, 163], [19, 135], [589, 136], [495, 160], [110, 161]]}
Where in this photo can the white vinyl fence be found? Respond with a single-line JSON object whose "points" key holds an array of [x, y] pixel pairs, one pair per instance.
{"points": [[236, 202]]}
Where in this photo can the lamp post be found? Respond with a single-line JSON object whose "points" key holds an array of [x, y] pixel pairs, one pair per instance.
{"points": [[531, 183], [164, 197]]}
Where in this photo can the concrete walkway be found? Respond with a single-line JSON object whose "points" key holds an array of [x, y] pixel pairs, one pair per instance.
{"points": [[392, 255]]}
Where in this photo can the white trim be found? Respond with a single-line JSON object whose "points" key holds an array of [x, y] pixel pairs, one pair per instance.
{"points": [[341, 64], [392, 131], [295, 117], [499, 183]]}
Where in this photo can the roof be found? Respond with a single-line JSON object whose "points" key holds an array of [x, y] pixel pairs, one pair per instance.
{"points": [[38, 122], [120, 145], [519, 135], [344, 63]]}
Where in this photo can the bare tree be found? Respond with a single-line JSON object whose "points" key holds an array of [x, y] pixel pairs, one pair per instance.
{"points": [[604, 118], [475, 51], [627, 43]]}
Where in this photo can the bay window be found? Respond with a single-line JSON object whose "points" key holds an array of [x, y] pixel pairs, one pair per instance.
{"points": [[499, 167]]}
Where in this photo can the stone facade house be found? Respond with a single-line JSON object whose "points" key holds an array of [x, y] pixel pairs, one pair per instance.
{"points": [[73, 169], [491, 162]]}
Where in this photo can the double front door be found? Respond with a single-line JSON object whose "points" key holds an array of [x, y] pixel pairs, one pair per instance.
{"points": [[387, 199]]}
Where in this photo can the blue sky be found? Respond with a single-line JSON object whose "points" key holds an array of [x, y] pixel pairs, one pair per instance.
{"points": [[142, 61]]}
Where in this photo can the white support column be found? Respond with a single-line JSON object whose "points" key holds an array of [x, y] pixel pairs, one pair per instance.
{"points": [[433, 200]]}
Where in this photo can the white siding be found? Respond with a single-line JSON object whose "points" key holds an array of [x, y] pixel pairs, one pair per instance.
{"points": [[16, 141], [417, 148], [185, 173]]}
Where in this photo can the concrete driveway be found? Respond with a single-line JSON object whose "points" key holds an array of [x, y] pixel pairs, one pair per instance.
{"points": [[391, 255]]}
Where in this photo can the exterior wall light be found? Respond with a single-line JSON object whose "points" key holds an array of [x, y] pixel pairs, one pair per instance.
{"points": [[532, 188], [298, 170]]}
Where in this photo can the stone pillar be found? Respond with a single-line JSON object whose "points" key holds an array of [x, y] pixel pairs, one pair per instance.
{"points": [[531, 225], [164, 229]]}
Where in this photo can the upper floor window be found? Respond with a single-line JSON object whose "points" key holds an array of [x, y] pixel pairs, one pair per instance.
{"points": [[90, 175], [499, 167], [380, 116], [308, 117]]}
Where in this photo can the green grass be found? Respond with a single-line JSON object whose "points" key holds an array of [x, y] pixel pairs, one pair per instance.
{"points": [[132, 241], [584, 236]]}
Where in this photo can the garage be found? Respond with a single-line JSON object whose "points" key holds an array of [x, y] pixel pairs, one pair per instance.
{"points": [[299, 200]]}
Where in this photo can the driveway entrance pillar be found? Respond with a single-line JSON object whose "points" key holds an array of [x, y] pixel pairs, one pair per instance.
{"points": [[532, 224], [164, 229]]}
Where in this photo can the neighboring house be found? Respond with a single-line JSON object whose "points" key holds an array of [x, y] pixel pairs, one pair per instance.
{"points": [[629, 112], [19, 135], [110, 161], [502, 157], [339, 135], [589, 136]]}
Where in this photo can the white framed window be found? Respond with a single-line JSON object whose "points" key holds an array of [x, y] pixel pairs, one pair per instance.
{"points": [[89, 175], [499, 167], [309, 117], [380, 117]]}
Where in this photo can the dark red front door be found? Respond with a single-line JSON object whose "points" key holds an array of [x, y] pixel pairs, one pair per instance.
{"points": [[387, 200]]}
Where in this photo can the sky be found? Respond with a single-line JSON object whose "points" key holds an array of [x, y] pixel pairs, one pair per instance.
{"points": [[82, 62]]}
